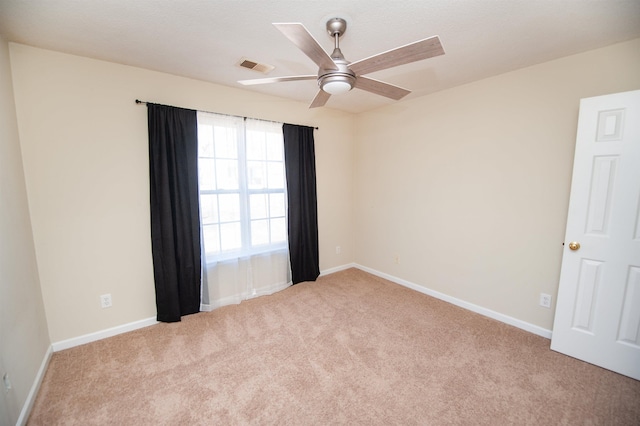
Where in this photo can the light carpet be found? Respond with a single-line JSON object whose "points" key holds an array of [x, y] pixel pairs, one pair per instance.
{"points": [[350, 348]]}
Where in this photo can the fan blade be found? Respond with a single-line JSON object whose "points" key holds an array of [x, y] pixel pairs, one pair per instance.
{"points": [[417, 51], [302, 38], [277, 79], [380, 88], [321, 98]]}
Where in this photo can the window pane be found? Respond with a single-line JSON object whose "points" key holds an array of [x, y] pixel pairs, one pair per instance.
{"points": [[259, 232], [209, 208], [227, 174], [205, 141], [206, 174], [226, 144], [278, 230], [229, 207], [255, 146], [242, 181], [276, 175], [276, 205], [275, 147], [258, 206], [256, 175], [230, 236], [211, 235]]}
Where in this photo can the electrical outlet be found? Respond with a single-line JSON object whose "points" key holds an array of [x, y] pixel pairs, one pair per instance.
{"points": [[105, 300], [338, 249], [396, 259], [545, 300]]}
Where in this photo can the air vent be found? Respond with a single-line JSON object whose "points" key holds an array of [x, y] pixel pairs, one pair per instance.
{"points": [[255, 66]]}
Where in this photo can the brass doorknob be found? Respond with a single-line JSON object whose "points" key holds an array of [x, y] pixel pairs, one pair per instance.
{"points": [[574, 245]]}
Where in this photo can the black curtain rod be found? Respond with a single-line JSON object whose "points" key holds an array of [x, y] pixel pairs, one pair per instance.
{"points": [[138, 101]]}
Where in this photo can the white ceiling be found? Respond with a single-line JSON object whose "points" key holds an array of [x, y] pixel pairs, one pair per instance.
{"points": [[205, 39]]}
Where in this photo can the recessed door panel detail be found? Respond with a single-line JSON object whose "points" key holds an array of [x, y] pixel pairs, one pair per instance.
{"points": [[601, 195], [610, 125], [586, 294], [629, 331]]}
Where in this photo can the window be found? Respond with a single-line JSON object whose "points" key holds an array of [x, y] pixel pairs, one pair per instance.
{"points": [[242, 185]]}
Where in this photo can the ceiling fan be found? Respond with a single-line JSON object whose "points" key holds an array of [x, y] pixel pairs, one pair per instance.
{"points": [[336, 75]]}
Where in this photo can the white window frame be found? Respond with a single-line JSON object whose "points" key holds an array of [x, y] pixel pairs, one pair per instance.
{"points": [[246, 249]]}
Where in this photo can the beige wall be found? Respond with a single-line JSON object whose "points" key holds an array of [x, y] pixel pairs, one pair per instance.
{"points": [[84, 143], [24, 340], [469, 187]]}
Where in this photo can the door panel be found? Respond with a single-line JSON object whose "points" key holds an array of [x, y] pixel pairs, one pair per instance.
{"points": [[598, 309]]}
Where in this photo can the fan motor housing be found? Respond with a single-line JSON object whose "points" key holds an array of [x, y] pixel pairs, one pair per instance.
{"points": [[342, 74], [336, 76]]}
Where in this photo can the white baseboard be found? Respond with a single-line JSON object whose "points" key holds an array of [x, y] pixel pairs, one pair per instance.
{"points": [[531, 328], [103, 334], [337, 269], [33, 392]]}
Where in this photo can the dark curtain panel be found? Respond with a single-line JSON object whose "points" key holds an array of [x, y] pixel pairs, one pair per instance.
{"points": [[175, 221], [300, 166]]}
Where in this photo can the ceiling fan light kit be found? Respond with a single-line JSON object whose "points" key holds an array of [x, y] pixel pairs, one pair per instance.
{"points": [[336, 75], [336, 85]]}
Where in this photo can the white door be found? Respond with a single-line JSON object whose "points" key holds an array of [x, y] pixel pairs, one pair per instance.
{"points": [[598, 308]]}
